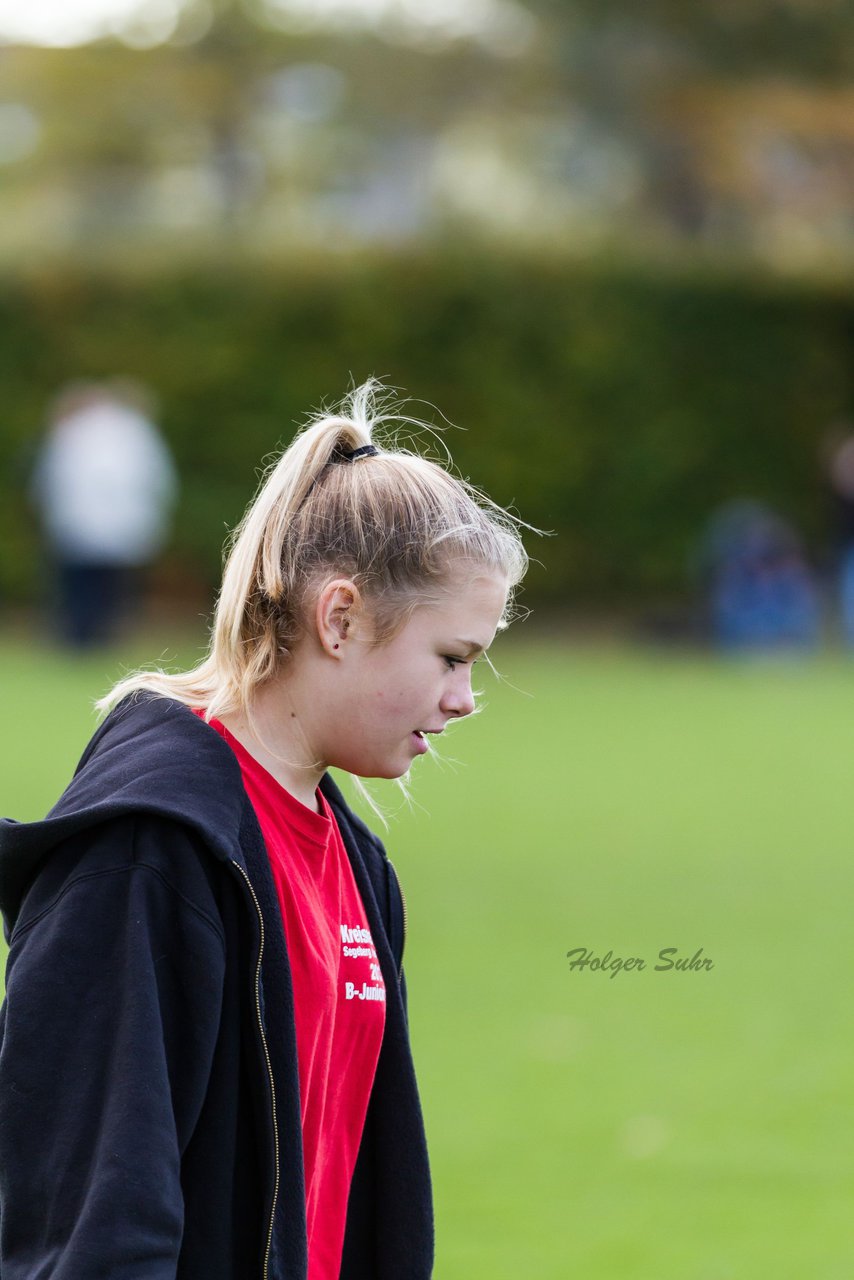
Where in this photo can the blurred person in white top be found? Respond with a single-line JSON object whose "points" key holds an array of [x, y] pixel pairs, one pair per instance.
{"points": [[105, 486]]}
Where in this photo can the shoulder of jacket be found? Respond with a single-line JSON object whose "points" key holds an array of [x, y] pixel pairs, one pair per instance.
{"points": [[133, 843]]}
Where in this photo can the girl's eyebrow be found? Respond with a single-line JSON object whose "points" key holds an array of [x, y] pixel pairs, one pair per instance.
{"points": [[471, 647]]}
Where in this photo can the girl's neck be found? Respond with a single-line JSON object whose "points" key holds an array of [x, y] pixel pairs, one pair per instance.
{"points": [[273, 736]]}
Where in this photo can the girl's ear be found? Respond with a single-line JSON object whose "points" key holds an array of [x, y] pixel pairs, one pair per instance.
{"points": [[335, 614]]}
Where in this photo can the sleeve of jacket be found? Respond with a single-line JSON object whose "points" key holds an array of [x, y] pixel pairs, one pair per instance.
{"points": [[112, 1011]]}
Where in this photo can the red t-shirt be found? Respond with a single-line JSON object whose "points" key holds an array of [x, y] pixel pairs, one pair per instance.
{"points": [[339, 997]]}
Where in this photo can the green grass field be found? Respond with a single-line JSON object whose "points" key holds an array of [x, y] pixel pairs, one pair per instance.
{"points": [[674, 1125]]}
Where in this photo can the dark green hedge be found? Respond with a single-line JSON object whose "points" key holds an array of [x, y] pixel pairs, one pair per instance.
{"points": [[617, 408]]}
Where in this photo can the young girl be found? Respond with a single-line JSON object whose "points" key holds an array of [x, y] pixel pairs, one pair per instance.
{"points": [[205, 1070]]}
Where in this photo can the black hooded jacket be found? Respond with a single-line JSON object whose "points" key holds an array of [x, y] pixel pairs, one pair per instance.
{"points": [[149, 1092]]}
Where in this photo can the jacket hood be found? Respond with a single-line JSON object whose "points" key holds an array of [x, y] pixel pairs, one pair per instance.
{"points": [[151, 755]]}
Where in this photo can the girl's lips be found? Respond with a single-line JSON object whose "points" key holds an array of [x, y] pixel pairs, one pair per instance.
{"points": [[420, 742]]}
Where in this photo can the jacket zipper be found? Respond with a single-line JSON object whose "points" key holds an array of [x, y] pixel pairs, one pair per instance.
{"points": [[403, 905], [266, 1048]]}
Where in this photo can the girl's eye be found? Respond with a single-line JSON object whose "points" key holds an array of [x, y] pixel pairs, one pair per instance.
{"points": [[452, 662]]}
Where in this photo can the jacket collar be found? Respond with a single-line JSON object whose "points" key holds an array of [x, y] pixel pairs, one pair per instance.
{"points": [[150, 755]]}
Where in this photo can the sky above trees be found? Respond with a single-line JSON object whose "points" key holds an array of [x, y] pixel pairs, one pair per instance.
{"points": [[149, 22]]}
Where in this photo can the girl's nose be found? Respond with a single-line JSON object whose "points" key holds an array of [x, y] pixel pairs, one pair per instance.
{"points": [[458, 699]]}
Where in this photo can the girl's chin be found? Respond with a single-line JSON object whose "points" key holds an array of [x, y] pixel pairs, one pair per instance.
{"points": [[388, 772]]}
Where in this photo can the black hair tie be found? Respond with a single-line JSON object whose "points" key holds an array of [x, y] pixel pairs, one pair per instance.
{"points": [[350, 455]]}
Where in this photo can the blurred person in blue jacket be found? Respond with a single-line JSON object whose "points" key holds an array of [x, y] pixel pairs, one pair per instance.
{"points": [[104, 485], [763, 594]]}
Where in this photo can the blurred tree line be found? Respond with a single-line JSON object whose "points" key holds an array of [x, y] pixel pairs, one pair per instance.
{"points": [[724, 127], [617, 408]]}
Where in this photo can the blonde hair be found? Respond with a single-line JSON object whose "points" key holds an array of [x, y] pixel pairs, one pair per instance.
{"points": [[393, 521]]}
